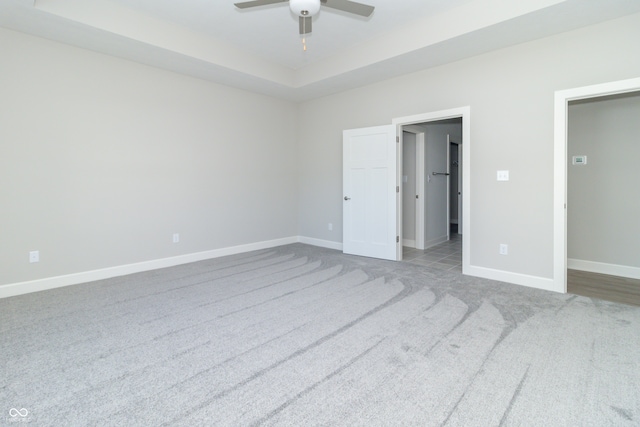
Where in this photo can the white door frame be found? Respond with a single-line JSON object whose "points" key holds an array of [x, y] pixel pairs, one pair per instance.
{"points": [[419, 132], [459, 195], [465, 114], [560, 146]]}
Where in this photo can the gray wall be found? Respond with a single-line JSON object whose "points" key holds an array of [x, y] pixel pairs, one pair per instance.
{"points": [[603, 209], [102, 160], [511, 93]]}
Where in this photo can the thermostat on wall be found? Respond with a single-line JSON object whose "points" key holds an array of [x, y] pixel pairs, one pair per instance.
{"points": [[579, 160]]}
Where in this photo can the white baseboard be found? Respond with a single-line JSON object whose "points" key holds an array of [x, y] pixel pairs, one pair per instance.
{"points": [[321, 243], [409, 243], [14, 289], [515, 278], [121, 270], [604, 268]]}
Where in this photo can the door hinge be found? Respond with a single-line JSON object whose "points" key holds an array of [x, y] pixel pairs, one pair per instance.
{"points": [[397, 189], [397, 239], [397, 139]]}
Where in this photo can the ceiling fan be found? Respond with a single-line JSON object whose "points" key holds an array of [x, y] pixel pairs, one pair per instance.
{"points": [[306, 9]]}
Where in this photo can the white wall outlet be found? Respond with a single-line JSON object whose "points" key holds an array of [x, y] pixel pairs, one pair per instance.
{"points": [[176, 237], [330, 227], [34, 256], [503, 175], [504, 249]]}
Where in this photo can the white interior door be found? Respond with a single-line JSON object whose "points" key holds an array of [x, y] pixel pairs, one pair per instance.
{"points": [[370, 192]]}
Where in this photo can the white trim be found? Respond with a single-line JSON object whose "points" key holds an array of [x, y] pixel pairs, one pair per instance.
{"points": [[420, 190], [409, 243], [321, 243], [562, 98], [514, 278], [432, 117], [122, 270], [419, 132], [399, 192], [604, 268], [460, 177]]}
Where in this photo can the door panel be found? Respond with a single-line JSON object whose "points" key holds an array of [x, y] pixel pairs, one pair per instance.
{"points": [[370, 198], [378, 210], [355, 220]]}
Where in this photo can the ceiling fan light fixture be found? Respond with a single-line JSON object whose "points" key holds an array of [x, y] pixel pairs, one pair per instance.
{"points": [[304, 8]]}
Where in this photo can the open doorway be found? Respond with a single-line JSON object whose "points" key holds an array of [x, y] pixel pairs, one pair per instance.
{"points": [[372, 186], [562, 160], [432, 193], [602, 229]]}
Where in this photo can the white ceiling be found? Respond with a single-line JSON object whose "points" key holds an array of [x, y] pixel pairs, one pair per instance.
{"points": [[260, 49]]}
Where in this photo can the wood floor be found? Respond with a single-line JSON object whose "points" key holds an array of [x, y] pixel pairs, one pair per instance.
{"points": [[602, 286]]}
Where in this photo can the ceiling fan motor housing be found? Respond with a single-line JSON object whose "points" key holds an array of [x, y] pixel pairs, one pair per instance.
{"points": [[304, 8]]}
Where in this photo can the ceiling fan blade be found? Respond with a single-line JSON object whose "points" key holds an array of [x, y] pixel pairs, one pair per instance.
{"points": [[305, 24], [349, 6], [256, 3]]}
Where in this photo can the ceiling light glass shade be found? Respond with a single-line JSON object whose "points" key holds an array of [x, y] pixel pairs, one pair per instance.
{"points": [[304, 7]]}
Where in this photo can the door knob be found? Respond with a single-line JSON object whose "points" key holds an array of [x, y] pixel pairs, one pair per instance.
{"points": [[347, 198]]}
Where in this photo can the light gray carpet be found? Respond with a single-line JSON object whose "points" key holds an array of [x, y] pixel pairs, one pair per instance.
{"points": [[301, 336]]}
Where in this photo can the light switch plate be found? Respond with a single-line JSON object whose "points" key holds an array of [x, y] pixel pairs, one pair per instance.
{"points": [[579, 160], [503, 175]]}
